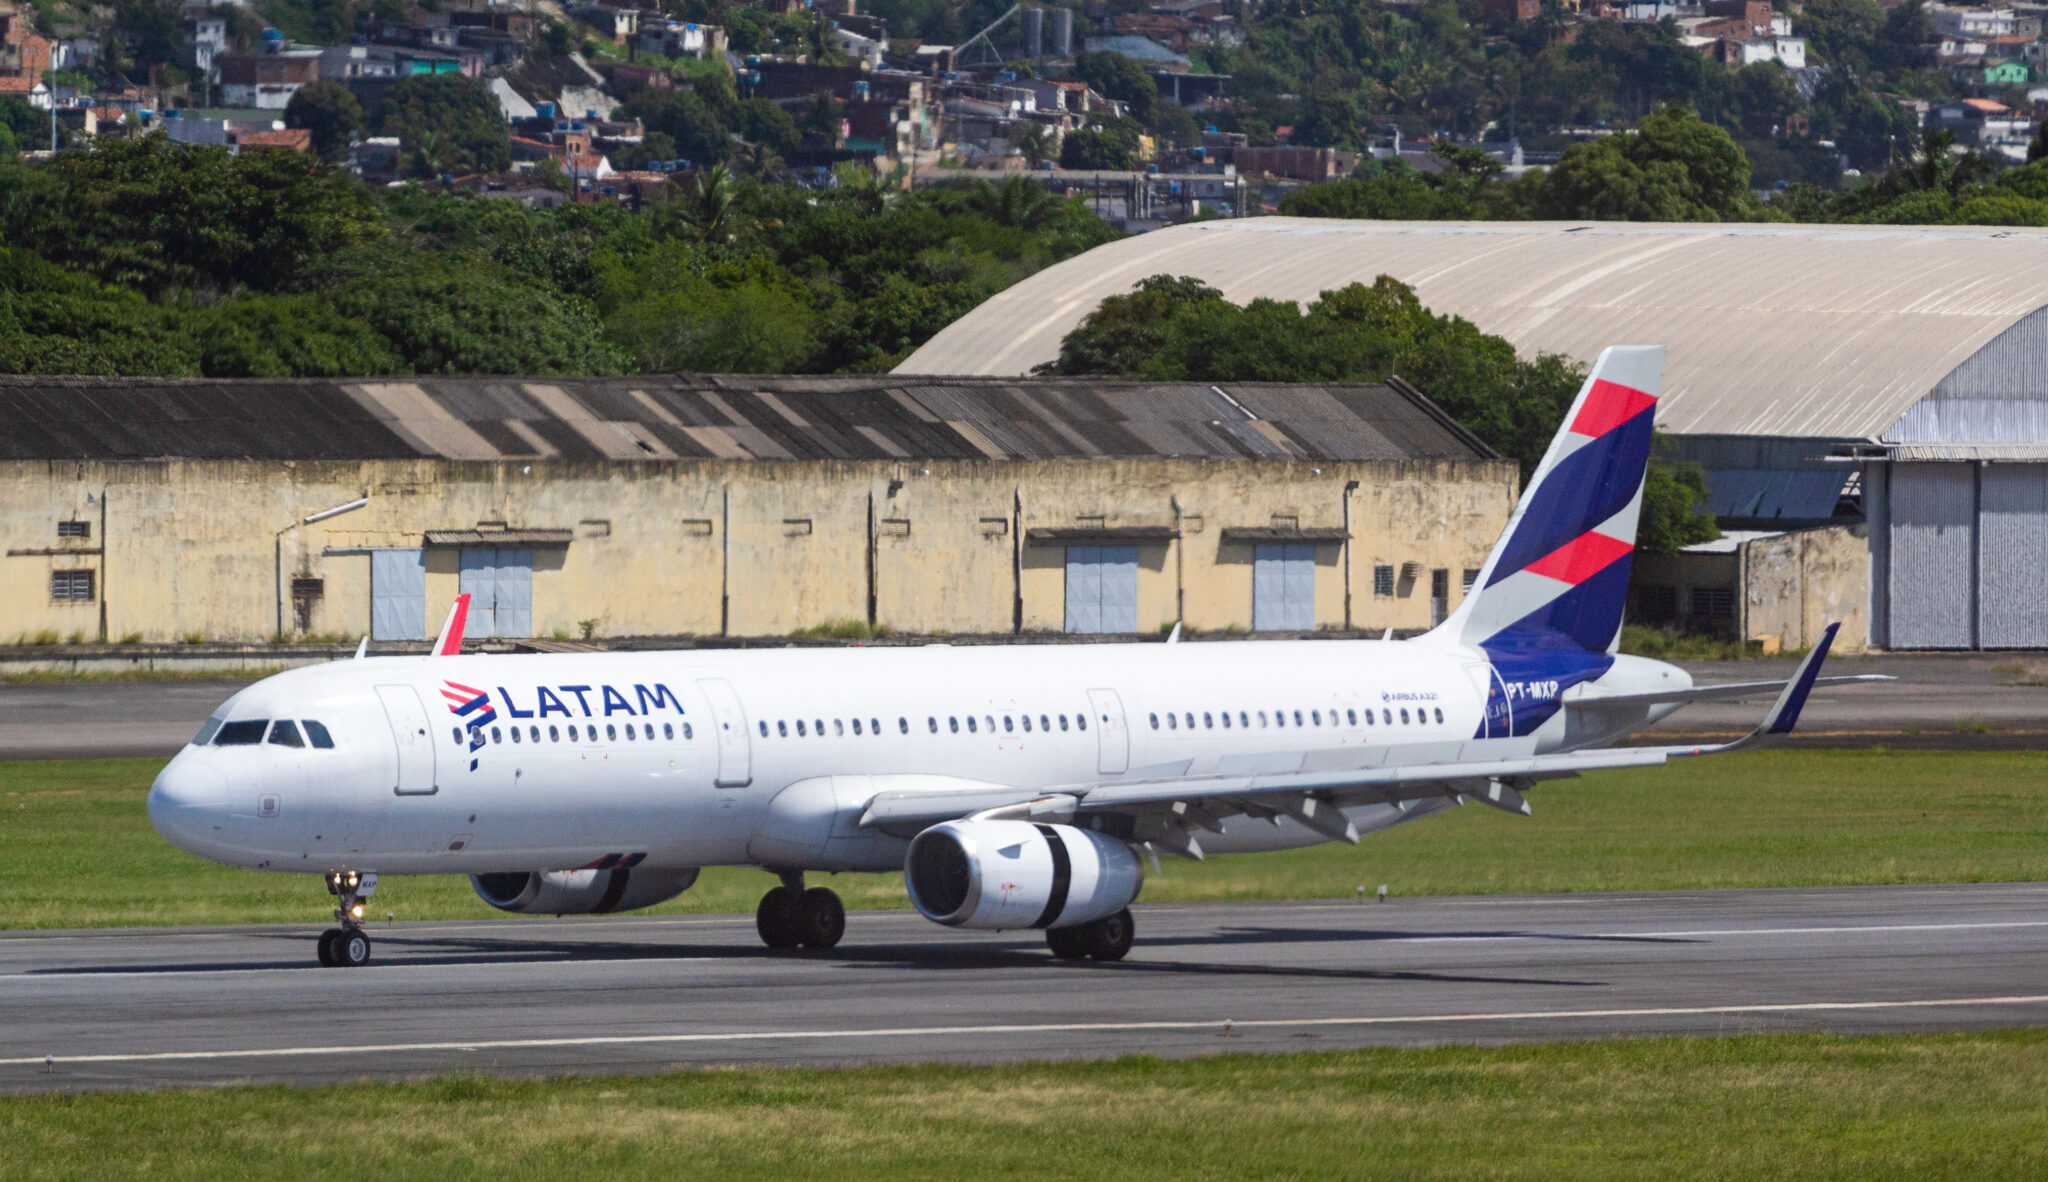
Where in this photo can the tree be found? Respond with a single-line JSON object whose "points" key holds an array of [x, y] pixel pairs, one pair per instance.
{"points": [[712, 211], [1120, 78], [448, 122], [1328, 121], [330, 111], [1672, 168], [1103, 147], [1018, 201], [160, 217], [1033, 141]]}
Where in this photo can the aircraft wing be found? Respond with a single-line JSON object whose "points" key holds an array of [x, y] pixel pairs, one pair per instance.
{"points": [[1165, 810], [1727, 691]]}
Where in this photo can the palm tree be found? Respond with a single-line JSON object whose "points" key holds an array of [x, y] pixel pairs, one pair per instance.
{"points": [[1018, 202], [1034, 140], [712, 212]]}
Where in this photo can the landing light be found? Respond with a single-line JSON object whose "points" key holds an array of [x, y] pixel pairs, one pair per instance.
{"points": [[356, 912]]}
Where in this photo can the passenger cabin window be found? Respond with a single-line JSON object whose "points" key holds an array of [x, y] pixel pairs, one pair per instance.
{"points": [[317, 735], [285, 733], [246, 733], [205, 734]]}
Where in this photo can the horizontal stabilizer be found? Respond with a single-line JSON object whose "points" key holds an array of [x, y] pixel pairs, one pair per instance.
{"points": [[1727, 692]]}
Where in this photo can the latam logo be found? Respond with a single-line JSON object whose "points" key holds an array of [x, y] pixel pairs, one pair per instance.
{"points": [[552, 700], [474, 705]]}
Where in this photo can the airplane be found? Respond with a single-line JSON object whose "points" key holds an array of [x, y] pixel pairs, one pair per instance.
{"points": [[1014, 787]]}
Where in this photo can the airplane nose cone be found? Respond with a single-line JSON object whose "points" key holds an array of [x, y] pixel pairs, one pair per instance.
{"points": [[188, 804]]}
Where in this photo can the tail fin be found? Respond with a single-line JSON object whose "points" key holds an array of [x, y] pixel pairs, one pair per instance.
{"points": [[1558, 577]]}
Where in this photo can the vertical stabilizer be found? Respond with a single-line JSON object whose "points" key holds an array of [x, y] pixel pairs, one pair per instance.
{"points": [[1558, 578]]}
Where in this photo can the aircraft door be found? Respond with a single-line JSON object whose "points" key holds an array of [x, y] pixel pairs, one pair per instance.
{"points": [[409, 731], [1498, 717], [1113, 741], [729, 721]]}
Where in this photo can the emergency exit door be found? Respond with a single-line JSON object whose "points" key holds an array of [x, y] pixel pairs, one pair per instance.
{"points": [[729, 723], [1112, 738], [409, 730]]}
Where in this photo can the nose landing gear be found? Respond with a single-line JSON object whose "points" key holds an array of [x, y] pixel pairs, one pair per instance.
{"points": [[348, 946], [790, 916]]}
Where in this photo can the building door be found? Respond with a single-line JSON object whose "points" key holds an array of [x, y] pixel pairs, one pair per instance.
{"points": [[1112, 738], [1284, 588], [2012, 595], [1933, 552], [398, 594], [729, 719], [1102, 589], [500, 587], [409, 730]]}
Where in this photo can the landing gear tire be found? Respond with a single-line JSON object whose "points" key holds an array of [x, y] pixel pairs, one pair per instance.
{"points": [[820, 918], [1068, 943], [776, 918], [1110, 937], [328, 939], [353, 949]]}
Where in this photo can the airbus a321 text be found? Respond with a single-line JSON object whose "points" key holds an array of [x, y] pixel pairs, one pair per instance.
{"points": [[1013, 786]]}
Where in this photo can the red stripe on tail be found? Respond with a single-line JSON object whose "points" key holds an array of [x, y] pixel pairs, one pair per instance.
{"points": [[1581, 558], [1608, 405]]}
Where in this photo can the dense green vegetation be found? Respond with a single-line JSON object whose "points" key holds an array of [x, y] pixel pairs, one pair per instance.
{"points": [[76, 849], [147, 257], [1675, 167], [1180, 329], [1924, 1108]]}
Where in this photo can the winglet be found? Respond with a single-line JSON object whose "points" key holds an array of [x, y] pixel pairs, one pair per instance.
{"points": [[1784, 714], [363, 648], [1173, 637], [450, 643]]}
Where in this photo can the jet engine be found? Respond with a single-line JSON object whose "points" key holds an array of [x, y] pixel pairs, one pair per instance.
{"points": [[1018, 874], [580, 892]]}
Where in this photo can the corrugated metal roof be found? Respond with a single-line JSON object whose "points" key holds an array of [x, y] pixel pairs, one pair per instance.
{"points": [[1816, 331], [695, 416]]}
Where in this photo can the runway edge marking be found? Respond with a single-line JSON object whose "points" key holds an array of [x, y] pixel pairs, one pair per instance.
{"points": [[1033, 1028]]}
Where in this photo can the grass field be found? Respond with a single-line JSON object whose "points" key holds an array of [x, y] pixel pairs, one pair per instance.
{"points": [[1813, 1107], [76, 848]]}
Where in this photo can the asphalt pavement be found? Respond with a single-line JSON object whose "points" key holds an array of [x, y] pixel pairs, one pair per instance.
{"points": [[1947, 701], [148, 1007]]}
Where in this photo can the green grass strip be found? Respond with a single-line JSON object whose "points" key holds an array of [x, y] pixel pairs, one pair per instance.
{"points": [[76, 849], [1965, 1106]]}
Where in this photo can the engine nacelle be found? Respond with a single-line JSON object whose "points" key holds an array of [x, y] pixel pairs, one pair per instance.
{"points": [[1018, 874], [580, 892]]}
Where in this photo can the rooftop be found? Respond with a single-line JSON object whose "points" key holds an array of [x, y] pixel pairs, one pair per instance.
{"points": [[737, 417], [1828, 332]]}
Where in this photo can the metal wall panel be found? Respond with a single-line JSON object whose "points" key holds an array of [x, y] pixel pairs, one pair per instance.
{"points": [[1284, 588], [2013, 565], [1102, 589], [398, 594], [1933, 555]]}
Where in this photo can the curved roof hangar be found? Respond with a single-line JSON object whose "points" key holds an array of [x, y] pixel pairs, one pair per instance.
{"points": [[1779, 330]]}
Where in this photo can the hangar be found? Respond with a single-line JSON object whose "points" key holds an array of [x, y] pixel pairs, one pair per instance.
{"points": [[153, 510], [1894, 377]]}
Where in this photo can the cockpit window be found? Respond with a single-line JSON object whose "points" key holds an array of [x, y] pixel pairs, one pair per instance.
{"points": [[206, 732], [285, 733], [317, 734], [246, 733]]}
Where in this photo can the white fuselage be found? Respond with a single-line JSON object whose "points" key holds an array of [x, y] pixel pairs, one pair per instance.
{"points": [[680, 756]]}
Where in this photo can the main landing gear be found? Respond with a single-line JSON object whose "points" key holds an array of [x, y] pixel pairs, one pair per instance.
{"points": [[1107, 938], [790, 916], [348, 946]]}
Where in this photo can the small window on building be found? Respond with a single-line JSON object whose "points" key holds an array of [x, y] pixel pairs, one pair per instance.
{"points": [[1709, 602], [893, 527], [74, 529], [697, 527], [1383, 581], [1656, 605], [285, 733], [796, 527], [317, 735], [309, 588], [1466, 579], [71, 586], [594, 528]]}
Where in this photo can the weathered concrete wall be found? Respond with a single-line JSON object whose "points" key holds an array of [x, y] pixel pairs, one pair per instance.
{"points": [[1798, 583], [208, 549]]}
